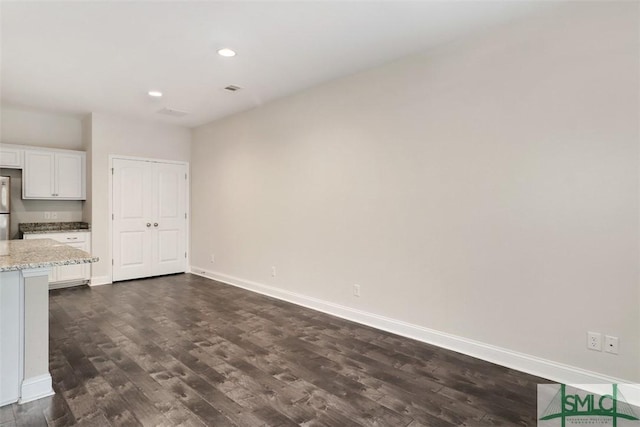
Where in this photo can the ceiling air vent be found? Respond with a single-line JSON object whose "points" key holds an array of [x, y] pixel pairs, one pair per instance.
{"points": [[172, 112], [232, 88]]}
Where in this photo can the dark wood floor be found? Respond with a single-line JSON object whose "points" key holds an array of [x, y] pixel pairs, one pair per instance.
{"points": [[184, 350]]}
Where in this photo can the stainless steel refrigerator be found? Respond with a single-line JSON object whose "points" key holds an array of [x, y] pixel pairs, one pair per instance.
{"points": [[5, 206]]}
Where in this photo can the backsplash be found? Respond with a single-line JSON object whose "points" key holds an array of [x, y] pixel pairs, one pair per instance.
{"points": [[47, 227]]}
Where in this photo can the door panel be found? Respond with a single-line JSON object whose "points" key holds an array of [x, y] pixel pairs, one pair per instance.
{"points": [[132, 211], [132, 248], [132, 190], [168, 245], [171, 209], [168, 192]]}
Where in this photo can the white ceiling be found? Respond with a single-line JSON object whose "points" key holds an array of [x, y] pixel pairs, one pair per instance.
{"points": [[104, 56]]}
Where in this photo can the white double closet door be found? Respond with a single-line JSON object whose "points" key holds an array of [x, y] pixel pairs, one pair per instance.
{"points": [[149, 218]]}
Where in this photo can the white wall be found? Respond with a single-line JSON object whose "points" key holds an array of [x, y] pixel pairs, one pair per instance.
{"points": [[41, 129], [112, 135], [488, 190]]}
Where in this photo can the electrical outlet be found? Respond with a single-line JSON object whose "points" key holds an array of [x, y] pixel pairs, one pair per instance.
{"points": [[611, 344], [47, 215], [273, 271], [594, 341], [213, 258], [356, 290]]}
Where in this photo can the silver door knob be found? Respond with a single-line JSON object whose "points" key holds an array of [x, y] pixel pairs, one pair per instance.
{"points": [[148, 224], [155, 224]]}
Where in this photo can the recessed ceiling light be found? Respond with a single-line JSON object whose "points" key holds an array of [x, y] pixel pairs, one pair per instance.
{"points": [[155, 93], [225, 51]]}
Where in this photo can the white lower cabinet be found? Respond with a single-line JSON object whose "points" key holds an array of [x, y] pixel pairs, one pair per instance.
{"points": [[9, 337], [68, 275]]}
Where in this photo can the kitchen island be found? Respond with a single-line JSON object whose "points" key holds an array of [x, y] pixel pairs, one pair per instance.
{"points": [[24, 315]]}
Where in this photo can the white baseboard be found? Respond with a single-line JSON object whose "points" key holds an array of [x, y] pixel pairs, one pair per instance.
{"points": [[70, 284], [7, 402], [533, 365], [36, 388], [100, 280]]}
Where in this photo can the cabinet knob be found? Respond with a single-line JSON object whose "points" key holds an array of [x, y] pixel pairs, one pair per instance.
{"points": [[148, 224], [155, 224]]}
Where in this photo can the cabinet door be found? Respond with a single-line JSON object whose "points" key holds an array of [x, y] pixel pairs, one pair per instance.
{"points": [[52, 271], [73, 272], [10, 157], [38, 176], [10, 315], [69, 173]]}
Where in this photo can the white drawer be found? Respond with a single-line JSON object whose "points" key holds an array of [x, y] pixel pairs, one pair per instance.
{"points": [[70, 237]]}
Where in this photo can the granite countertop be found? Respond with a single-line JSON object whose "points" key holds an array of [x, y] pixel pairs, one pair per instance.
{"points": [[37, 253], [52, 227]]}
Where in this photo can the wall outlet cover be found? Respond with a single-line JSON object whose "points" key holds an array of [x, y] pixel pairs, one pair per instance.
{"points": [[594, 341]]}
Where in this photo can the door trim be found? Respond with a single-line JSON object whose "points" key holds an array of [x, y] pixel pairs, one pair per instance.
{"points": [[187, 201]]}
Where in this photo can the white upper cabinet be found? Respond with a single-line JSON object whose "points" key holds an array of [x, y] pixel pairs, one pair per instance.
{"points": [[10, 157], [54, 174], [69, 175], [38, 175]]}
